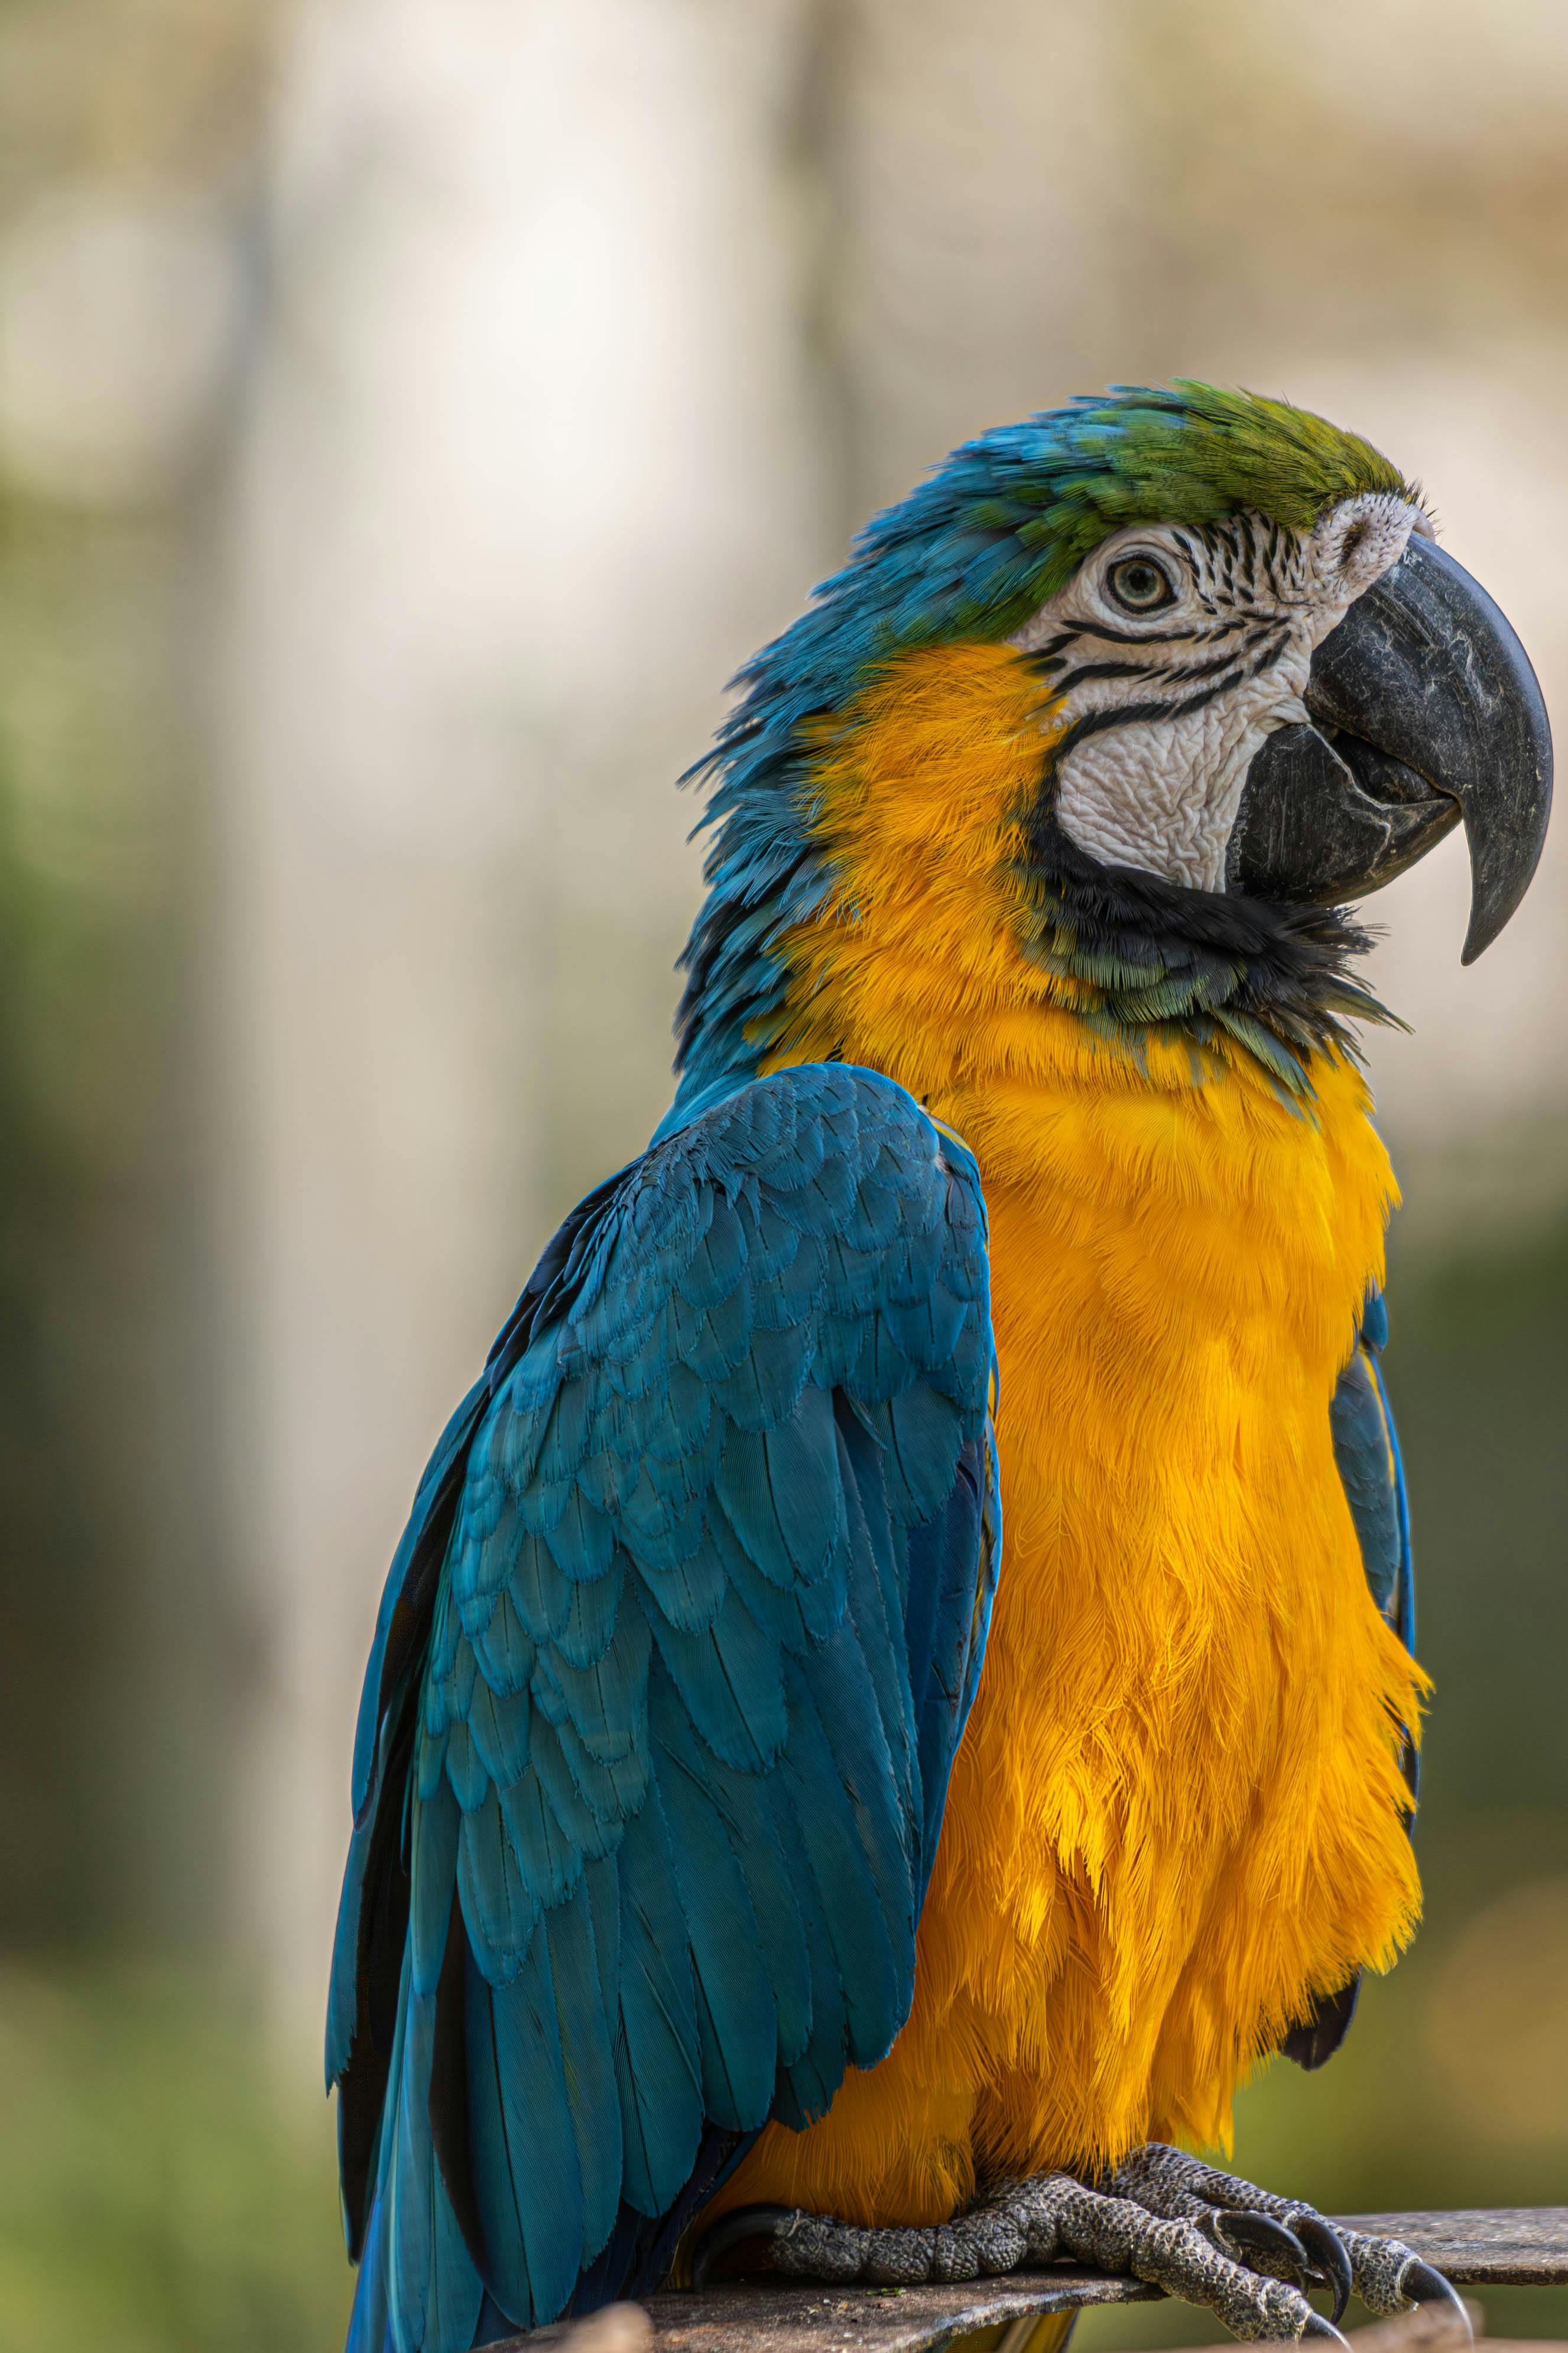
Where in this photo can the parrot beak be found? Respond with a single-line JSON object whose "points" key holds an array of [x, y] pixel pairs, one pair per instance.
{"points": [[1425, 714]]}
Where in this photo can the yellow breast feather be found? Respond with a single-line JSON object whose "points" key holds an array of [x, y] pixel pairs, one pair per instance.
{"points": [[1177, 1812]]}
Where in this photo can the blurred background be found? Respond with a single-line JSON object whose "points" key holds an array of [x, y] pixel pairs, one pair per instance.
{"points": [[411, 411]]}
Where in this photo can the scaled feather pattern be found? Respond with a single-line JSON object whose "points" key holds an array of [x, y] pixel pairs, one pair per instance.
{"points": [[673, 1665]]}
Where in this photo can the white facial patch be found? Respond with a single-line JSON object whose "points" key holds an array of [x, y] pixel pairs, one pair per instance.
{"points": [[1174, 651]]}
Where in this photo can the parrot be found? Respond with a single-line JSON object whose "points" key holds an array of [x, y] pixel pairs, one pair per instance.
{"points": [[898, 1690]]}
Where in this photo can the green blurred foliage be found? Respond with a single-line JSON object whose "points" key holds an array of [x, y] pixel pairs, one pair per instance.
{"points": [[1479, 1367], [163, 2188], [159, 2193], [111, 1621]]}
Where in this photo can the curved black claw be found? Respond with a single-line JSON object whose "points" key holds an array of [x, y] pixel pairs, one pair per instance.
{"points": [[731, 2230], [1421, 2284], [1327, 2253], [1260, 2234], [1316, 2326]]}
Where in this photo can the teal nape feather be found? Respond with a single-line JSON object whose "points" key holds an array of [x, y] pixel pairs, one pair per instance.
{"points": [[995, 531]]}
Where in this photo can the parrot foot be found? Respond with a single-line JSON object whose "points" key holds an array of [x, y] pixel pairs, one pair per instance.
{"points": [[1282, 2237], [1204, 2236], [1025, 2224]]}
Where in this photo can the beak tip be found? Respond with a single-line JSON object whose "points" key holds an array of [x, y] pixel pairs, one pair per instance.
{"points": [[1485, 924], [1493, 912], [1481, 929], [1502, 867]]}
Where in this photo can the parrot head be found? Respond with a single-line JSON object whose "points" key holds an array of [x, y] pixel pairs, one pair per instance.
{"points": [[1234, 685]]}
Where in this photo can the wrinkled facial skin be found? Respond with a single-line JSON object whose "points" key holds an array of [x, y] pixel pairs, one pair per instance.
{"points": [[1175, 652]]}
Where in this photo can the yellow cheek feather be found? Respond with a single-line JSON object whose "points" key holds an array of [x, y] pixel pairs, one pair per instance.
{"points": [[1177, 1812]]}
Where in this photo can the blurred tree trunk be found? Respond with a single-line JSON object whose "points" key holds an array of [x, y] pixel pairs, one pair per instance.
{"points": [[974, 156]]}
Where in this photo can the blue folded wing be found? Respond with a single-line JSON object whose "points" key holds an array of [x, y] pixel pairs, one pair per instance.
{"points": [[672, 1666], [1366, 1450]]}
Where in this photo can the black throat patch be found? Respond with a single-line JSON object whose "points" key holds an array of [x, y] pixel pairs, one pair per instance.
{"points": [[1153, 958]]}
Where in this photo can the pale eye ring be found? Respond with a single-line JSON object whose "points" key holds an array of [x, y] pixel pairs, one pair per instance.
{"points": [[1139, 584]]}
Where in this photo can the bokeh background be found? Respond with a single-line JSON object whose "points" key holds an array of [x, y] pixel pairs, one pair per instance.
{"points": [[411, 411]]}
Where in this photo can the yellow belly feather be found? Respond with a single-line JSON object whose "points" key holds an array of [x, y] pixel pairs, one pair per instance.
{"points": [[1177, 1812]]}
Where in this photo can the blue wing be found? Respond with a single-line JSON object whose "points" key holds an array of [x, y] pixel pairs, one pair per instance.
{"points": [[1366, 1452], [673, 1664]]}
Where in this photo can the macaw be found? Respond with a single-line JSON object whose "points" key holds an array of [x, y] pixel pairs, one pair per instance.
{"points": [[755, 1859]]}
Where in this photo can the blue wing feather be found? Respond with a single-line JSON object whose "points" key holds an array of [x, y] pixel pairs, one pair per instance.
{"points": [[673, 1663], [1366, 1450], [1405, 1606], [1366, 1453]]}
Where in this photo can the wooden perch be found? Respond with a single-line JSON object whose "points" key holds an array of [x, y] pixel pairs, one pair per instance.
{"points": [[1491, 2246], [1523, 2246]]}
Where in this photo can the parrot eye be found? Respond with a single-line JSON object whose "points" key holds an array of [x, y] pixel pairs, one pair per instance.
{"points": [[1139, 584]]}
